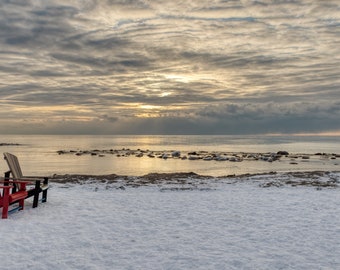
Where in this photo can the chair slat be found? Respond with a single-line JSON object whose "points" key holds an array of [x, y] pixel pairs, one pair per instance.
{"points": [[14, 166]]}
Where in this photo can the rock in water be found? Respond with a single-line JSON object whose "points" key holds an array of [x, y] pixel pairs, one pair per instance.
{"points": [[282, 153]]}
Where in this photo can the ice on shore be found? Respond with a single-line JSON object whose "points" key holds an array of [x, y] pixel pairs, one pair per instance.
{"points": [[229, 223]]}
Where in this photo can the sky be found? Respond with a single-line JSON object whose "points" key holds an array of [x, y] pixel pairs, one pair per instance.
{"points": [[169, 67]]}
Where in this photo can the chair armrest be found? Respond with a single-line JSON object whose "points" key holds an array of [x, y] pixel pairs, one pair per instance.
{"points": [[34, 177], [31, 180], [5, 187], [21, 183], [14, 181], [43, 181]]}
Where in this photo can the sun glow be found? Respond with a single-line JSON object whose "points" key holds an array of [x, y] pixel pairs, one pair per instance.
{"points": [[165, 94], [150, 107], [179, 78], [148, 111]]}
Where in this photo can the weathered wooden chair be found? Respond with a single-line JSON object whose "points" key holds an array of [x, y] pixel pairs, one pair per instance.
{"points": [[15, 174], [8, 197]]}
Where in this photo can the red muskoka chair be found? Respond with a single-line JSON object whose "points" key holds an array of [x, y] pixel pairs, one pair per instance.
{"points": [[40, 184], [10, 196]]}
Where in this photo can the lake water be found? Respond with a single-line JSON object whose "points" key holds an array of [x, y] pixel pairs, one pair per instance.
{"points": [[38, 154]]}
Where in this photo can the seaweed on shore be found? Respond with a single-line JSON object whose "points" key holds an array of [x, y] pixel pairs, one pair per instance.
{"points": [[318, 179]]}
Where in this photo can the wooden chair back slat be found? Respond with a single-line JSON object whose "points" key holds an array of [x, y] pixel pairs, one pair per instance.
{"points": [[13, 165]]}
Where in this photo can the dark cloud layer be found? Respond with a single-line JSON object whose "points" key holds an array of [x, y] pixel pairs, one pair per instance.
{"points": [[170, 67]]}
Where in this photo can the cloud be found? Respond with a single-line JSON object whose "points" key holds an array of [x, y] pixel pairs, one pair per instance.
{"points": [[239, 66]]}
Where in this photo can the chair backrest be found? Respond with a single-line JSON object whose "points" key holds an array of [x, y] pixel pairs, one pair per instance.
{"points": [[13, 165]]}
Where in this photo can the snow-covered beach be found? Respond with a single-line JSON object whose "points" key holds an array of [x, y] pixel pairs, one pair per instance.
{"points": [[106, 211], [181, 221]]}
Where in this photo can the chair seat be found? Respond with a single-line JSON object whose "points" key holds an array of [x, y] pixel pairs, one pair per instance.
{"points": [[44, 186], [17, 196], [8, 198]]}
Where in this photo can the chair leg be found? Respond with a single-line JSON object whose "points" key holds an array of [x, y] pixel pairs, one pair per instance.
{"points": [[4, 212], [36, 194], [44, 194], [5, 201], [22, 204]]}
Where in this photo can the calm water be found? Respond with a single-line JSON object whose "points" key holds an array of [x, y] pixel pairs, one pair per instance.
{"points": [[37, 154]]}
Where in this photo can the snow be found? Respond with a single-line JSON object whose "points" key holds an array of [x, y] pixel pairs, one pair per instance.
{"points": [[225, 224]]}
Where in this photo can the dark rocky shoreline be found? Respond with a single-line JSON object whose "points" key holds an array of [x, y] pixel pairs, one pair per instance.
{"points": [[203, 155]]}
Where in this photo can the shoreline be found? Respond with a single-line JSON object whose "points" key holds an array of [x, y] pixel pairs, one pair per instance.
{"points": [[192, 181]]}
